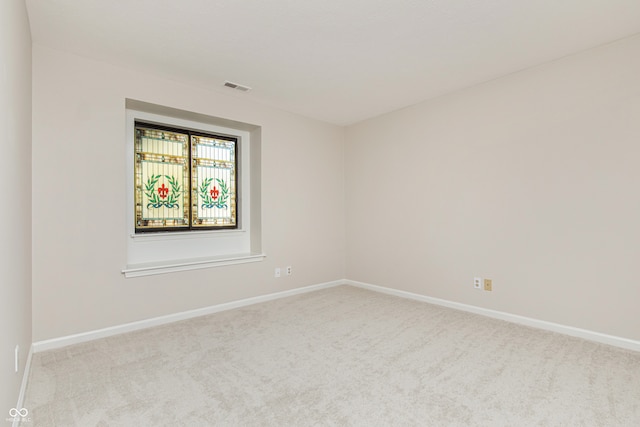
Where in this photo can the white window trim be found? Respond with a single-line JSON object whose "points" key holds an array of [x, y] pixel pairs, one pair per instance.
{"points": [[166, 252], [150, 269]]}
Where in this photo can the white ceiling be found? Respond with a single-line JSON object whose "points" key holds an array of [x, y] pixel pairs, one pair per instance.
{"points": [[339, 61]]}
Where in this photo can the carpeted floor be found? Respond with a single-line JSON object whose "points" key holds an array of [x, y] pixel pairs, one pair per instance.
{"points": [[336, 357]]}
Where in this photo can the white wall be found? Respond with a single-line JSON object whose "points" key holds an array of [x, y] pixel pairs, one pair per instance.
{"points": [[15, 190], [79, 201], [532, 180]]}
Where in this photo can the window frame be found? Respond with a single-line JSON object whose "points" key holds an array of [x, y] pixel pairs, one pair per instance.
{"points": [[190, 227]]}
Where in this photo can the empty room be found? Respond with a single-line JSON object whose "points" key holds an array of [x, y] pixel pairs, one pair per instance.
{"points": [[336, 213]]}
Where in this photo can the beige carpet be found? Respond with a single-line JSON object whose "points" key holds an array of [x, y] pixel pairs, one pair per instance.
{"points": [[337, 357]]}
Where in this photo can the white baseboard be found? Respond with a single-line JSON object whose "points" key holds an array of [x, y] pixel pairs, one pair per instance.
{"points": [[23, 387], [513, 318], [162, 320], [157, 321]]}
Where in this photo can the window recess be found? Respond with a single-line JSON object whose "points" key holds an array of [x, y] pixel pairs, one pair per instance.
{"points": [[203, 174]]}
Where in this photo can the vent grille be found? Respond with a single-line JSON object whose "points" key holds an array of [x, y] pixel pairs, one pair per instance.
{"points": [[237, 86]]}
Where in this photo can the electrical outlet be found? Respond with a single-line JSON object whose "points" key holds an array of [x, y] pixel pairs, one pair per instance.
{"points": [[477, 282], [277, 273], [488, 286], [289, 271]]}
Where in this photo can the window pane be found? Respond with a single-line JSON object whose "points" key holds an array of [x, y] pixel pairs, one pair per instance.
{"points": [[214, 182], [161, 179]]}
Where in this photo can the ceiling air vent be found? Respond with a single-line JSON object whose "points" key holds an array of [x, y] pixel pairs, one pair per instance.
{"points": [[237, 86]]}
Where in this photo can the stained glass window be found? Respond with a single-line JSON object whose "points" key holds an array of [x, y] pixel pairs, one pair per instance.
{"points": [[213, 175], [184, 180]]}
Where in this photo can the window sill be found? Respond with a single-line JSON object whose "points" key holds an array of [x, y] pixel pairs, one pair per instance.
{"points": [[184, 235], [149, 269]]}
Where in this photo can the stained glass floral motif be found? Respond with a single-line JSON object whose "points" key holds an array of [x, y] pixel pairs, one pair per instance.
{"points": [[213, 175]]}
